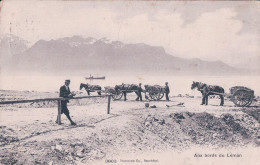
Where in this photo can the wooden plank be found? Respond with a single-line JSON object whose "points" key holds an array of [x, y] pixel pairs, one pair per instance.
{"points": [[59, 112], [47, 99], [27, 101], [82, 97], [108, 104]]}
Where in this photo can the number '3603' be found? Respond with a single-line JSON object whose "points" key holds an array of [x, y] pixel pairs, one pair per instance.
{"points": [[110, 161]]}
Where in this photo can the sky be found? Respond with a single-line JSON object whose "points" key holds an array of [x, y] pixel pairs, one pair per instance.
{"points": [[209, 30]]}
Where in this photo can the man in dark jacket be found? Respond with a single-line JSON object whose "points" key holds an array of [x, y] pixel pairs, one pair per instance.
{"points": [[204, 90], [139, 92], [65, 93], [167, 91]]}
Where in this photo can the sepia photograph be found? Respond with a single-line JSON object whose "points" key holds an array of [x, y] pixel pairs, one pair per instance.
{"points": [[137, 82]]}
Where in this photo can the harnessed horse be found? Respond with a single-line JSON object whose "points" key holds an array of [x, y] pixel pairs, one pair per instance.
{"points": [[127, 88], [91, 88], [208, 90]]}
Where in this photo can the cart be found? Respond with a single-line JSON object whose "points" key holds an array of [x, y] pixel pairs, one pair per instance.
{"points": [[241, 96], [116, 95], [154, 92]]}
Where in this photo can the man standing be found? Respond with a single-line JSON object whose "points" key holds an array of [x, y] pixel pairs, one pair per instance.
{"points": [[167, 91], [204, 90], [65, 93], [139, 92]]}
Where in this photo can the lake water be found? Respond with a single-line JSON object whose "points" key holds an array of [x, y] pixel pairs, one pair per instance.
{"points": [[178, 84]]}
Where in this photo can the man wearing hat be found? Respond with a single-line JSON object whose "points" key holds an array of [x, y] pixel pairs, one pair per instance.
{"points": [[167, 91], [139, 92], [204, 90], [65, 93]]}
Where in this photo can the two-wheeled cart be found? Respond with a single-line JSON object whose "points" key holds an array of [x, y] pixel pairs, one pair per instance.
{"points": [[241, 96]]}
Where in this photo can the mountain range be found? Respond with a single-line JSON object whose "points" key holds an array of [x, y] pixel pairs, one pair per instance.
{"points": [[89, 55]]}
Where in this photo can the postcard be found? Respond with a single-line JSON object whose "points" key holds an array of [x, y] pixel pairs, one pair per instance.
{"points": [[129, 82]]}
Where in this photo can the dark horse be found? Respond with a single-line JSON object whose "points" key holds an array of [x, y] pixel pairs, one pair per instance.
{"points": [[126, 88], [91, 88], [207, 90]]}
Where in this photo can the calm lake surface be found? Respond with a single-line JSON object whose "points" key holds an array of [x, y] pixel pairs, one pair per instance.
{"points": [[178, 84]]}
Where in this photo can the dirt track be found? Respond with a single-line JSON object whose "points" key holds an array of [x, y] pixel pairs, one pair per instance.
{"points": [[29, 135]]}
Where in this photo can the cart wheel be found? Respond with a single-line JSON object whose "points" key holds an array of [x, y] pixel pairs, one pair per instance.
{"points": [[154, 93], [147, 96], [150, 95], [162, 91], [118, 95], [242, 98]]}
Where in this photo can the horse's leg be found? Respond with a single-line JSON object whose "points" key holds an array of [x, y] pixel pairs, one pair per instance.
{"points": [[88, 92], [222, 100], [203, 100], [124, 96]]}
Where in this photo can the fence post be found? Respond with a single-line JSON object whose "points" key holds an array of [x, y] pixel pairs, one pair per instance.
{"points": [[108, 104], [59, 111]]}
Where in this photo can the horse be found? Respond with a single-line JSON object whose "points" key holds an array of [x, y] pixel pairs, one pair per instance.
{"points": [[211, 90], [126, 88], [91, 88]]}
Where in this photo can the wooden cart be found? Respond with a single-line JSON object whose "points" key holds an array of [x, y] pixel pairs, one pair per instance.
{"points": [[154, 92], [241, 96]]}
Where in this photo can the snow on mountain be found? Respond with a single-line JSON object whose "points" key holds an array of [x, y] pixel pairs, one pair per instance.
{"points": [[80, 54]]}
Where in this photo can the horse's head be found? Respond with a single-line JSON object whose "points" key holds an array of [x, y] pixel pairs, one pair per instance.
{"points": [[118, 87], [194, 85], [83, 86], [145, 86]]}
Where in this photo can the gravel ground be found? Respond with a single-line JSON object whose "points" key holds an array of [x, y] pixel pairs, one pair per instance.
{"points": [[29, 134]]}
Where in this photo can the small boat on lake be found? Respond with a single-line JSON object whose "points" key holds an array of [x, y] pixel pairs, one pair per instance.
{"points": [[92, 77]]}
